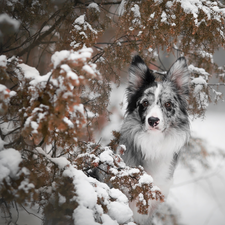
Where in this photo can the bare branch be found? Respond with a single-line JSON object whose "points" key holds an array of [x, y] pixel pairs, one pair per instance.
{"points": [[45, 34], [30, 212]]}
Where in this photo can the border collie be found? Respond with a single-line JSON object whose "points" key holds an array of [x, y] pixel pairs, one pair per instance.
{"points": [[156, 125]]}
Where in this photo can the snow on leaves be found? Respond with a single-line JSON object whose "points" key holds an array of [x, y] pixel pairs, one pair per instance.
{"points": [[9, 163], [199, 93], [111, 169], [200, 13], [83, 30], [93, 198], [54, 109], [5, 95]]}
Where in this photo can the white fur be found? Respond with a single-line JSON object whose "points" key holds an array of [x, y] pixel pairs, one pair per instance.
{"points": [[157, 145], [158, 151]]}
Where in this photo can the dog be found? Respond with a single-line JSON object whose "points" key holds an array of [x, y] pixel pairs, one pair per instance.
{"points": [[156, 125]]}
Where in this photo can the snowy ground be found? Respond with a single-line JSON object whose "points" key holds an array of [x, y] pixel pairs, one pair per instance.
{"points": [[201, 198]]}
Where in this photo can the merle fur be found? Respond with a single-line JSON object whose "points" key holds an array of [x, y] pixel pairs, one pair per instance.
{"points": [[175, 89]]}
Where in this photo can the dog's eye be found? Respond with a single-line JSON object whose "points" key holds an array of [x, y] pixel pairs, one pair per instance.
{"points": [[145, 104], [168, 106]]}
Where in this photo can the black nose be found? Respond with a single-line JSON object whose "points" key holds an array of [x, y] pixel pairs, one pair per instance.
{"points": [[153, 121]]}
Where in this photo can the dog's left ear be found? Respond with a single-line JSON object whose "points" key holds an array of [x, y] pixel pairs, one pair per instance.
{"points": [[140, 75], [179, 74]]}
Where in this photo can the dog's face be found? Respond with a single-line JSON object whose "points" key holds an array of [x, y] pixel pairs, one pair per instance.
{"points": [[159, 105]]}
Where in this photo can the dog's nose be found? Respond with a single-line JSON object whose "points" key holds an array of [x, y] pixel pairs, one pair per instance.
{"points": [[153, 121]]}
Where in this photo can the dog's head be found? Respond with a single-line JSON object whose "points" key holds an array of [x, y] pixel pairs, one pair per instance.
{"points": [[159, 105]]}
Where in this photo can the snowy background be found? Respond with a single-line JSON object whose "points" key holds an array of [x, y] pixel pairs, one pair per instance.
{"points": [[201, 198]]}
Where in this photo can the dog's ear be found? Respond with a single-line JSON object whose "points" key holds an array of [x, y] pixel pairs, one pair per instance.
{"points": [[179, 74], [140, 75]]}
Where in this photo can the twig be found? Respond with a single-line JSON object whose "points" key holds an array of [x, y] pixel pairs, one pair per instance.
{"points": [[46, 33], [4, 135], [216, 84], [30, 212]]}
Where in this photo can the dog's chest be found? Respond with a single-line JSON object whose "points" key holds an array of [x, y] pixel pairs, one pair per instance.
{"points": [[160, 170]]}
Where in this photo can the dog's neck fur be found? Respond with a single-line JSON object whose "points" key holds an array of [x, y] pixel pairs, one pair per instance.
{"points": [[156, 152]]}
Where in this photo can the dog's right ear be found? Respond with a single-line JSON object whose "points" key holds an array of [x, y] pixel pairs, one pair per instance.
{"points": [[140, 75]]}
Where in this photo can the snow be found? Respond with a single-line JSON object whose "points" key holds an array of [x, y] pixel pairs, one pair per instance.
{"points": [[83, 216], [80, 24], [69, 72], [62, 199], [123, 147], [7, 20], [117, 194], [88, 190], [88, 69], [194, 7], [58, 57], [85, 191], [200, 197], [106, 156], [164, 17], [145, 179], [3, 61], [9, 162], [136, 10], [121, 8], [169, 4], [80, 20], [94, 5], [120, 212], [199, 81], [68, 122], [108, 221], [28, 71], [40, 79], [197, 70], [133, 171], [83, 54], [79, 108], [3, 88], [26, 186], [60, 161]]}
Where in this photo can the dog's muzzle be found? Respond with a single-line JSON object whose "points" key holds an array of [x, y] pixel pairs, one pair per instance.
{"points": [[153, 121]]}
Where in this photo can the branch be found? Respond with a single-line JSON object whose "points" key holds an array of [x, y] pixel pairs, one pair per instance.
{"points": [[111, 3], [46, 33], [4, 135], [217, 84], [103, 3], [30, 212]]}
